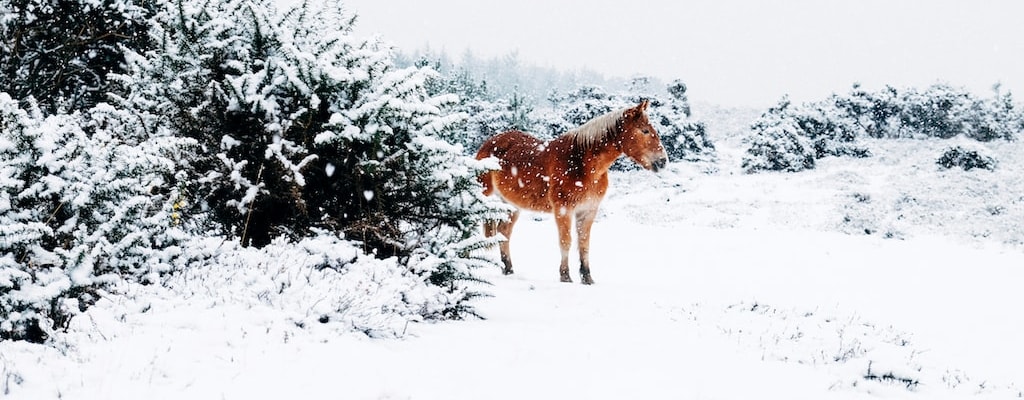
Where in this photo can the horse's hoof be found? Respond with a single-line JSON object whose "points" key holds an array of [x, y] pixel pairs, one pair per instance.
{"points": [[566, 279], [587, 280], [507, 271]]}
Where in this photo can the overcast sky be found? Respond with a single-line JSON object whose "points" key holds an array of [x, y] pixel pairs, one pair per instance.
{"points": [[732, 52]]}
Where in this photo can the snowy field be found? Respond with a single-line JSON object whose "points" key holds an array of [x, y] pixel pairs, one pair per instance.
{"points": [[883, 277]]}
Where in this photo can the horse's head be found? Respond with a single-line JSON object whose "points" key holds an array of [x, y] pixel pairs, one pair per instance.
{"points": [[640, 141]]}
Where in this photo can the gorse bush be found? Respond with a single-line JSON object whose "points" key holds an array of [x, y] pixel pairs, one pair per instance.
{"points": [[967, 159], [218, 117], [790, 138], [304, 126], [85, 200], [939, 111], [60, 52], [86, 189]]}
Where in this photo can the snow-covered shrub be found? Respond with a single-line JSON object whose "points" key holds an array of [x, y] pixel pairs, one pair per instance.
{"points": [[998, 117], [486, 114], [941, 111], [683, 138], [677, 92], [303, 126], [322, 282], [830, 131], [572, 109], [967, 159], [834, 125], [778, 144], [85, 200], [60, 51], [485, 118], [790, 138]]}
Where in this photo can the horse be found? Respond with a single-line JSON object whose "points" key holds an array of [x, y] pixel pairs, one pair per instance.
{"points": [[567, 176]]}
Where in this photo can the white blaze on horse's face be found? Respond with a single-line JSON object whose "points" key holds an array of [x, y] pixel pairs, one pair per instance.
{"points": [[640, 140]]}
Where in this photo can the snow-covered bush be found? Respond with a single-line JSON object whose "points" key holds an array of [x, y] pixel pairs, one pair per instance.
{"points": [[303, 126], [790, 137], [485, 118], [941, 111], [321, 283], [485, 113], [998, 117], [60, 51], [86, 199], [683, 138], [778, 144], [967, 159], [832, 126]]}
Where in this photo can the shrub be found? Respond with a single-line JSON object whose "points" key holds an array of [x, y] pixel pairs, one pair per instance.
{"points": [[60, 52], [778, 146], [967, 159], [833, 126], [790, 138], [85, 200], [303, 127]]}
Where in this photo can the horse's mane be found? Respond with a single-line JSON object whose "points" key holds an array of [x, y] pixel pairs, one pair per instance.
{"points": [[597, 130]]}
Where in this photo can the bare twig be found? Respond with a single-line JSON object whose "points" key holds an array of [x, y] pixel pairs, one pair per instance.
{"points": [[248, 215]]}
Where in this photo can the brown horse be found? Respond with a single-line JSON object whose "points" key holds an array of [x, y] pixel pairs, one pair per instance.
{"points": [[567, 176]]}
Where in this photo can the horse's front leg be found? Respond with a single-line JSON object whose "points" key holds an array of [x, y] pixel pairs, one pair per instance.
{"points": [[584, 221], [564, 221]]}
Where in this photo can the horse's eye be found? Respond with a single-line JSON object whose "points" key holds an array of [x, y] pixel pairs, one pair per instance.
{"points": [[647, 132]]}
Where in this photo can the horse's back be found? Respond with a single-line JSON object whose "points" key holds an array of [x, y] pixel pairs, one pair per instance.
{"points": [[522, 179], [514, 143]]}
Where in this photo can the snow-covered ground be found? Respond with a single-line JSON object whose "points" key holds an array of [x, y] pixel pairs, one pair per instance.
{"points": [[864, 278]]}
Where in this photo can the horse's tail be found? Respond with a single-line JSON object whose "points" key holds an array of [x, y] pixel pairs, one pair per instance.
{"points": [[487, 178], [487, 182]]}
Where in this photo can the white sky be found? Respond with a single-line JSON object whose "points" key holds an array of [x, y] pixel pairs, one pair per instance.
{"points": [[732, 52]]}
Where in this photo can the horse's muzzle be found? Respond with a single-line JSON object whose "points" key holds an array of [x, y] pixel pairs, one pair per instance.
{"points": [[659, 164]]}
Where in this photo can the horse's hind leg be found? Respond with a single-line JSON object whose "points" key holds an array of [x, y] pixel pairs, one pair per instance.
{"points": [[584, 221], [505, 229]]}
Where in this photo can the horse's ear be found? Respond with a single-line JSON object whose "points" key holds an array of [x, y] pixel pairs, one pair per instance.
{"points": [[637, 111]]}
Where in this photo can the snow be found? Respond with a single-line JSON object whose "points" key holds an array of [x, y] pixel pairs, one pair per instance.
{"points": [[719, 285]]}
